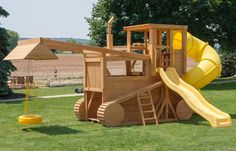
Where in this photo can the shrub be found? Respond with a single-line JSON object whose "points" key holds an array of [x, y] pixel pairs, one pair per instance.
{"points": [[228, 61]]}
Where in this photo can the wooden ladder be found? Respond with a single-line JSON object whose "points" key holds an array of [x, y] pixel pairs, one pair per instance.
{"points": [[147, 96]]}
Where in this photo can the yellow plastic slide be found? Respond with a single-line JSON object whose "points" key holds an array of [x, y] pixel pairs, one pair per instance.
{"points": [[194, 99], [209, 64]]}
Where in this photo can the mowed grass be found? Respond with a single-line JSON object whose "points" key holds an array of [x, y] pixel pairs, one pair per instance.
{"points": [[47, 91], [62, 131]]}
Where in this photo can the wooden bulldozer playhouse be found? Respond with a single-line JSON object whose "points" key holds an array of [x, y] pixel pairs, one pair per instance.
{"points": [[155, 86]]}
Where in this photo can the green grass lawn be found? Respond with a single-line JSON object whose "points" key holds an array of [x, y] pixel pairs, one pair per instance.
{"points": [[50, 90], [62, 131]]}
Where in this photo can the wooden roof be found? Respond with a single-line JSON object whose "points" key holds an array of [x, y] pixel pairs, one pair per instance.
{"points": [[145, 27], [31, 51]]}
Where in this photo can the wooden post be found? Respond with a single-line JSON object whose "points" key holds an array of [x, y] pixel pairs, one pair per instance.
{"points": [[128, 63], [85, 72], [167, 100], [109, 33], [184, 49], [171, 48], [129, 41], [152, 49], [86, 105], [110, 41], [159, 52], [103, 70], [145, 43], [146, 51]]}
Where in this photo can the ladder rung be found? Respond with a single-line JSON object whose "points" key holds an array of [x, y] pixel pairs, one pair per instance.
{"points": [[146, 104], [151, 118], [144, 97], [151, 111]]}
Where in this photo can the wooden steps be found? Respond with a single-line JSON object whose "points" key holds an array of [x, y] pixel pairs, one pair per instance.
{"points": [[146, 107]]}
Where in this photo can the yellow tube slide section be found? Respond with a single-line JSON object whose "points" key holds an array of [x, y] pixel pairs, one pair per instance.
{"points": [[194, 99], [209, 64]]}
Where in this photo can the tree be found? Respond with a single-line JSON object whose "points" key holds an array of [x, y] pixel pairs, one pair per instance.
{"points": [[5, 66], [226, 21], [207, 19], [12, 40], [72, 40]]}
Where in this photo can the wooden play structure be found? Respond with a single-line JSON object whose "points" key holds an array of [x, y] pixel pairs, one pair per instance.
{"points": [[19, 82], [150, 90]]}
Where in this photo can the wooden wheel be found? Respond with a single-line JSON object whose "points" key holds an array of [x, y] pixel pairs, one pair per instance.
{"points": [[110, 114], [79, 109], [183, 111]]}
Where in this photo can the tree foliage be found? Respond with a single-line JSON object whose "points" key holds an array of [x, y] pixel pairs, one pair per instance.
{"points": [[210, 20], [12, 40], [226, 20], [6, 67], [228, 64]]}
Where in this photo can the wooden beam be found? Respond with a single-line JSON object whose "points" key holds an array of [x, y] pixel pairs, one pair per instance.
{"points": [[92, 59], [134, 93], [93, 89], [132, 65], [144, 27], [90, 100], [119, 58], [107, 72], [79, 47]]}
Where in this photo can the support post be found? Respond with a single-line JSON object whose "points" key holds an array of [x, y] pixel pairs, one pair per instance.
{"points": [[128, 63], [184, 49], [152, 49], [171, 48], [109, 33]]}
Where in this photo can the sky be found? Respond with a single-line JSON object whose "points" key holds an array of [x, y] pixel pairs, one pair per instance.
{"points": [[47, 18]]}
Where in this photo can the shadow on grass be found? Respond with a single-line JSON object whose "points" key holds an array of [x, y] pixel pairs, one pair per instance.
{"points": [[17, 101], [12, 102], [233, 116], [222, 86], [195, 120], [52, 130], [13, 98]]}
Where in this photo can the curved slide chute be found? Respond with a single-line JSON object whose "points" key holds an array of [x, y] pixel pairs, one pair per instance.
{"points": [[194, 99], [209, 64]]}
